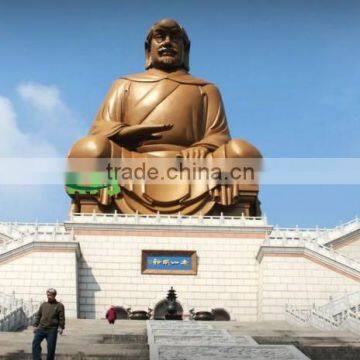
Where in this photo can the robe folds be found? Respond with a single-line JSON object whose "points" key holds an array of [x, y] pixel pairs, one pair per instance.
{"points": [[192, 105], [195, 109]]}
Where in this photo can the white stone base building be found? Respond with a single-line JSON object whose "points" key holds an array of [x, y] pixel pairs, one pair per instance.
{"points": [[244, 265]]}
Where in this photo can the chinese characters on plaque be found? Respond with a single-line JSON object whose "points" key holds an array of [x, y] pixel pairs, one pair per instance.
{"points": [[169, 262]]}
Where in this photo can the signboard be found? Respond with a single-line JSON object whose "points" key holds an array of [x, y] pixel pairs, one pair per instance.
{"points": [[169, 262]]}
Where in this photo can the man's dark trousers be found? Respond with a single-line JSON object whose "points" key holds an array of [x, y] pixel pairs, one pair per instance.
{"points": [[51, 336]]}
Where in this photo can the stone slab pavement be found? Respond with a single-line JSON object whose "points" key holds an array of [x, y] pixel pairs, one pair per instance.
{"points": [[181, 342], [227, 352]]}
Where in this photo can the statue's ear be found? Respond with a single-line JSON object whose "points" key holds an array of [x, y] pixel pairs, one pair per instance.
{"points": [[147, 59], [186, 61]]}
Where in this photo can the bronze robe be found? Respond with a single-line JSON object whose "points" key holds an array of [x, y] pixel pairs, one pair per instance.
{"points": [[193, 105], [195, 108]]}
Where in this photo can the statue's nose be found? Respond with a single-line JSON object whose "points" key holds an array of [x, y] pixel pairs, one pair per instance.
{"points": [[167, 40]]}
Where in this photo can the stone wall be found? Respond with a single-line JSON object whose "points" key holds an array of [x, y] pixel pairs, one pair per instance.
{"points": [[110, 273], [30, 273]]}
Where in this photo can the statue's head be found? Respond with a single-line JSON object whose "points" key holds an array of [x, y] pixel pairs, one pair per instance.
{"points": [[167, 46]]}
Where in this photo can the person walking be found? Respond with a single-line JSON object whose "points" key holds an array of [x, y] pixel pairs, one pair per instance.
{"points": [[49, 319], [111, 317], [111, 314]]}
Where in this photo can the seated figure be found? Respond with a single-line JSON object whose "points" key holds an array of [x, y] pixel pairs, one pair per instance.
{"points": [[165, 112]]}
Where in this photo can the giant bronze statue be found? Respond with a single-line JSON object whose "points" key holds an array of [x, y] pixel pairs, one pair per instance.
{"points": [[165, 113]]}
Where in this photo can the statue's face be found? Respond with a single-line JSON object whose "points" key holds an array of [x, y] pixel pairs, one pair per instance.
{"points": [[167, 47]]}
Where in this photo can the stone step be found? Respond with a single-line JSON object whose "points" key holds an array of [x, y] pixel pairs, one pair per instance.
{"points": [[74, 356], [170, 324], [188, 332], [203, 340], [228, 352], [65, 351]]}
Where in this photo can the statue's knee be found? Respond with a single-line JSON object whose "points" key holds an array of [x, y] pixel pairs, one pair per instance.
{"points": [[91, 146], [237, 148]]}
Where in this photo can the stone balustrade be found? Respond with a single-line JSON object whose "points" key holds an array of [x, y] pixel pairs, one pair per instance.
{"points": [[8, 303], [320, 235], [172, 220], [339, 314], [344, 306], [15, 313], [340, 231], [277, 240], [310, 316], [13, 235]]}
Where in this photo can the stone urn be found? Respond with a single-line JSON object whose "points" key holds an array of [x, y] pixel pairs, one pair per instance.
{"points": [[202, 315], [139, 314]]}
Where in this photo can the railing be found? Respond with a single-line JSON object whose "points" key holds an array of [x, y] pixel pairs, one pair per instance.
{"points": [[310, 316], [321, 235], [339, 231], [13, 235], [302, 242], [340, 314], [296, 315], [7, 302], [179, 219], [15, 313], [299, 233], [348, 305]]}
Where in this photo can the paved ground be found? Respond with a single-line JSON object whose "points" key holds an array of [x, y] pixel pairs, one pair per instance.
{"points": [[85, 337], [285, 331], [93, 339], [316, 344]]}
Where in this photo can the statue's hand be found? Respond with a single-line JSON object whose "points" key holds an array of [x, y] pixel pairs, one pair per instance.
{"points": [[196, 152], [139, 133]]}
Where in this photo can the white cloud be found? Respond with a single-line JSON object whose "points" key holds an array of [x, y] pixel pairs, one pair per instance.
{"points": [[16, 143], [51, 119], [45, 127], [41, 96]]}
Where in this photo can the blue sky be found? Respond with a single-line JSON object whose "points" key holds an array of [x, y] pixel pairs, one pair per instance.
{"points": [[288, 71]]}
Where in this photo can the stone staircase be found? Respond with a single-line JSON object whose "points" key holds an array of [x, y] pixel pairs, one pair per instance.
{"points": [[188, 340], [341, 232], [15, 235], [322, 236], [339, 314], [313, 243], [15, 313]]}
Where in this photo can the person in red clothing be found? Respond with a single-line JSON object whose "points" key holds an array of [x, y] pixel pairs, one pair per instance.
{"points": [[111, 315]]}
